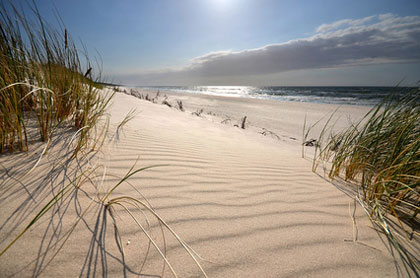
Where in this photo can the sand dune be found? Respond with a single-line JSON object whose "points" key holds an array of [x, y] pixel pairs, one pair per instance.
{"points": [[248, 204]]}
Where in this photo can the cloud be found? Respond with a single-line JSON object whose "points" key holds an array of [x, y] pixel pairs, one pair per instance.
{"points": [[378, 39], [344, 22]]}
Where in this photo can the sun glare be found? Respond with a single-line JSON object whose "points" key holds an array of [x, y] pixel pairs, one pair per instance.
{"points": [[222, 3]]}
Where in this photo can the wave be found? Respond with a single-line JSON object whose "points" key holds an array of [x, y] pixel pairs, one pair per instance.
{"points": [[333, 95]]}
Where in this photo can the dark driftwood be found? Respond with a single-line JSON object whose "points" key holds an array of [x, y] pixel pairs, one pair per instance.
{"points": [[180, 105], [266, 132], [243, 122], [198, 112], [225, 121], [155, 99], [166, 103], [310, 143]]}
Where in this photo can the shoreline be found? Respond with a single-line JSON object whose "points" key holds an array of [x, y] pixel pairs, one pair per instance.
{"points": [[336, 95], [285, 118]]}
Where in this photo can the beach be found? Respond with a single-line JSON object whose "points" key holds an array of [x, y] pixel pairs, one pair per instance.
{"points": [[244, 200], [209, 139]]}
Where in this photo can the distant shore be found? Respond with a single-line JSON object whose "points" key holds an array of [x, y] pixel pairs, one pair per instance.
{"points": [[340, 95]]}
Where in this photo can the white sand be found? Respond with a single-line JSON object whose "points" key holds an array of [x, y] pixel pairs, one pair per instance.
{"points": [[248, 204]]}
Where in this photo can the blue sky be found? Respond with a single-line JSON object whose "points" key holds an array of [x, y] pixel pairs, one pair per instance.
{"points": [[248, 42]]}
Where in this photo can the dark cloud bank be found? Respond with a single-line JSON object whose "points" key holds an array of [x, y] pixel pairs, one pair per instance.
{"points": [[379, 39]]}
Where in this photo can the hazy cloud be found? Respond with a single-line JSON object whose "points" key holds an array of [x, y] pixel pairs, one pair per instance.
{"points": [[385, 38], [344, 22]]}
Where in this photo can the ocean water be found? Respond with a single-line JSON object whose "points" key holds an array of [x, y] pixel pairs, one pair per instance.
{"points": [[334, 95]]}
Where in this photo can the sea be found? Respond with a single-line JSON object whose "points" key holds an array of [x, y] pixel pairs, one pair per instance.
{"points": [[368, 96]]}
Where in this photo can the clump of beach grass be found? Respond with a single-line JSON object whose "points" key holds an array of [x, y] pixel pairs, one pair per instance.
{"points": [[42, 79], [380, 155]]}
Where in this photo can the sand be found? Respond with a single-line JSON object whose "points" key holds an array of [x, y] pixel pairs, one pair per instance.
{"points": [[248, 204]]}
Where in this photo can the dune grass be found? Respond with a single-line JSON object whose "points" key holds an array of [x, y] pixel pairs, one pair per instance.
{"points": [[380, 155], [42, 79]]}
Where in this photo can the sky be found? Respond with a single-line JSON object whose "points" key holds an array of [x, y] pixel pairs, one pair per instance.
{"points": [[248, 42]]}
